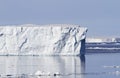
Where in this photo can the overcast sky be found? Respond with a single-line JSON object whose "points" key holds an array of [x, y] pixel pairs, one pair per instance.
{"points": [[102, 17]]}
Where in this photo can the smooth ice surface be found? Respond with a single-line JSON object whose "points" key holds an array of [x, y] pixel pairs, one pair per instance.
{"points": [[54, 39]]}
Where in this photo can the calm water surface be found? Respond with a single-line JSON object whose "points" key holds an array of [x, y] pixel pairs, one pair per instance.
{"points": [[100, 65]]}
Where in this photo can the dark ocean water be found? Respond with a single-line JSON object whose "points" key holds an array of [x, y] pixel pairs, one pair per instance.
{"points": [[102, 60], [103, 47], [95, 64], [103, 65]]}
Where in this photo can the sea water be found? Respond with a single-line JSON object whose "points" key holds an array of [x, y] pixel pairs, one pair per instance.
{"points": [[102, 65], [100, 62], [93, 65]]}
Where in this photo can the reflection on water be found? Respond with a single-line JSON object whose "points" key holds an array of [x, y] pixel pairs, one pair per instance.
{"points": [[65, 66]]}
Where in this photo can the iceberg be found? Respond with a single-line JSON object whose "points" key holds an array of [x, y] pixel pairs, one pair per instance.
{"points": [[53, 39]]}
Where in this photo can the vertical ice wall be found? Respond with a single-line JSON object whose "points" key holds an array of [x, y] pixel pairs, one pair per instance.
{"points": [[54, 39]]}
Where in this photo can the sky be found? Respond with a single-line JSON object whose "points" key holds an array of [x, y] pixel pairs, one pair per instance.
{"points": [[101, 17]]}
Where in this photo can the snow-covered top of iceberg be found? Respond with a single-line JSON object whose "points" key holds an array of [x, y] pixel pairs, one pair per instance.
{"points": [[52, 25]]}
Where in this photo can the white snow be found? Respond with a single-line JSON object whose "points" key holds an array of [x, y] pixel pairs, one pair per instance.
{"points": [[94, 40], [53, 39], [102, 40]]}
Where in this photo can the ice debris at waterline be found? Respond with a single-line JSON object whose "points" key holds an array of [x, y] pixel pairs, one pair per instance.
{"points": [[53, 39], [42, 73]]}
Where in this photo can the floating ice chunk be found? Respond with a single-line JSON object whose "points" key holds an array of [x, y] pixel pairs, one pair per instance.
{"points": [[54, 39], [56, 74], [42, 73], [111, 66]]}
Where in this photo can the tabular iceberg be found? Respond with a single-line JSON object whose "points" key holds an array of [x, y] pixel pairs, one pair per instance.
{"points": [[54, 39]]}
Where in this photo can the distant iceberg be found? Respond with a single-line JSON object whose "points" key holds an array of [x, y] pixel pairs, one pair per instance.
{"points": [[53, 39], [103, 40]]}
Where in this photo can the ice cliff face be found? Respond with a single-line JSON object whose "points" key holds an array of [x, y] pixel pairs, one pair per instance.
{"points": [[29, 39]]}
